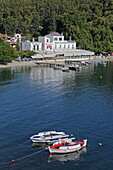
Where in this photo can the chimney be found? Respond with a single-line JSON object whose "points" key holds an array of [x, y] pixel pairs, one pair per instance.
{"points": [[69, 38]]}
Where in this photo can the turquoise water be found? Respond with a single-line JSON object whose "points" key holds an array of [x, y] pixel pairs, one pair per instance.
{"points": [[34, 99]]}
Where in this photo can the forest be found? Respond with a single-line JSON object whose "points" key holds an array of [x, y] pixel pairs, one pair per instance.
{"points": [[88, 22]]}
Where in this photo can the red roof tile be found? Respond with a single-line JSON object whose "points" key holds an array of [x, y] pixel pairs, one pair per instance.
{"points": [[4, 36]]}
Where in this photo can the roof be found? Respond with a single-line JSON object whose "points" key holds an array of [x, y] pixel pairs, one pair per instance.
{"points": [[54, 34], [14, 43], [4, 36], [37, 56], [76, 52]]}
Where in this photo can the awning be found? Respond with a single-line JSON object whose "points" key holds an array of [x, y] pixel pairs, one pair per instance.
{"points": [[37, 56]]}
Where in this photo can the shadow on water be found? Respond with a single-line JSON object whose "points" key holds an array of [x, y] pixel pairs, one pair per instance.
{"points": [[67, 157], [40, 146]]}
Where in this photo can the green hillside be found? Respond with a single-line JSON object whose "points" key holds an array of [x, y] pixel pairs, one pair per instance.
{"points": [[88, 22]]}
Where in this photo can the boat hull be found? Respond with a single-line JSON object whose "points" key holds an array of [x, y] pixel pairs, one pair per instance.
{"points": [[66, 70], [57, 68], [72, 68], [67, 149], [51, 141], [49, 137]]}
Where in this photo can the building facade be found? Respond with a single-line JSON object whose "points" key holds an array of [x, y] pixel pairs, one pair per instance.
{"points": [[55, 41], [48, 43], [55, 44], [30, 46], [12, 40]]}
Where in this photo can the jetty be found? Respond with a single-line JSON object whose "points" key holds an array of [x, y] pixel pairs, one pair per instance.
{"points": [[50, 64]]}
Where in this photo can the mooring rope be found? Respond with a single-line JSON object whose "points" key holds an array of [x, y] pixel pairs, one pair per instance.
{"points": [[18, 159], [19, 145], [24, 143]]}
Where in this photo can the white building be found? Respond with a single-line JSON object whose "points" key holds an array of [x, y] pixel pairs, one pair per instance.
{"points": [[55, 44], [30, 46], [49, 43], [55, 41]]}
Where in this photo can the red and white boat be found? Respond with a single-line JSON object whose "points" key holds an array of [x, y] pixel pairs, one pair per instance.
{"points": [[65, 147]]}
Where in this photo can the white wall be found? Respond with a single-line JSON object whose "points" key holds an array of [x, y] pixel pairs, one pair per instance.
{"points": [[35, 45], [52, 38], [49, 40]]}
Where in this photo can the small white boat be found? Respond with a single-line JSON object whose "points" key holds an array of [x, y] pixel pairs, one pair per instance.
{"points": [[49, 137], [57, 67], [65, 69], [65, 147], [67, 157]]}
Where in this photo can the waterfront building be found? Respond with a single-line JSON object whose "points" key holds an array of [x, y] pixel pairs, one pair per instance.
{"points": [[49, 43], [54, 45], [78, 55], [54, 41], [30, 45], [12, 40], [5, 37]]}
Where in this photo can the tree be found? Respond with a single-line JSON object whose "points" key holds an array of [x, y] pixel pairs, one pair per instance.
{"points": [[7, 53], [89, 23]]}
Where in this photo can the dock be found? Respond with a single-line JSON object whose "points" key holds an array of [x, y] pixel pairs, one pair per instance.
{"points": [[50, 64]]}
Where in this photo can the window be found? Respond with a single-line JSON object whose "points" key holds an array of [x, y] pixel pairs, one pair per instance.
{"points": [[72, 46], [37, 47], [34, 47], [55, 39], [68, 46], [60, 39], [48, 47]]}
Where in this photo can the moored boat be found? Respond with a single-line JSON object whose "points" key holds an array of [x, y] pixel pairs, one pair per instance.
{"points": [[67, 147], [57, 67], [74, 67], [67, 157], [65, 69], [49, 137]]}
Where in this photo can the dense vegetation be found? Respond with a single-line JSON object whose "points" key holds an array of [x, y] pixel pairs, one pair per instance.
{"points": [[7, 53], [88, 22]]}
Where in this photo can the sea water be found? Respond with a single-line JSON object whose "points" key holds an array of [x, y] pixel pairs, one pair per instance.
{"points": [[34, 99]]}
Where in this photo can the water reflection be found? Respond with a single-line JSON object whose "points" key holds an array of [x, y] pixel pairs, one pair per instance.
{"points": [[5, 76], [11, 75], [67, 157], [60, 157], [40, 145]]}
